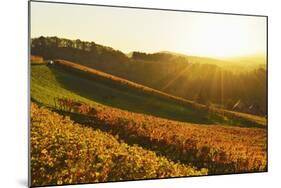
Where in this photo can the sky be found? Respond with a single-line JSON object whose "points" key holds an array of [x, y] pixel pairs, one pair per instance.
{"points": [[150, 31]]}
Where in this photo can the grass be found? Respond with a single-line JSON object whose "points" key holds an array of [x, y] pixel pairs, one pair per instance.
{"points": [[50, 81], [44, 87], [77, 82]]}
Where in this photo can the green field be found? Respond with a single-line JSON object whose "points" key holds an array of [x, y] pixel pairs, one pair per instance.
{"points": [[48, 82]]}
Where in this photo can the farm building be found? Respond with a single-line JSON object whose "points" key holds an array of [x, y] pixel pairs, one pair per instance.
{"points": [[239, 106]]}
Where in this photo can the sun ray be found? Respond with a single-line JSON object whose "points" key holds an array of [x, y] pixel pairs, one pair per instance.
{"points": [[176, 77]]}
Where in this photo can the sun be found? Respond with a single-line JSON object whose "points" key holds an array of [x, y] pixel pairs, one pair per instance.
{"points": [[228, 36]]}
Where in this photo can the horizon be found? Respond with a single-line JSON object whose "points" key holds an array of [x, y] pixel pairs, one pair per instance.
{"points": [[197, 34], [226, 59]]}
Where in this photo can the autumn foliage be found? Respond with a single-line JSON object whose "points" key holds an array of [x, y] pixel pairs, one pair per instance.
{"points": [[78, 139], [221, 149], [64, 152]]}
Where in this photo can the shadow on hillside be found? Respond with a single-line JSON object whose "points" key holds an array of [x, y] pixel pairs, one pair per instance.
{"points": [[110, 93]]}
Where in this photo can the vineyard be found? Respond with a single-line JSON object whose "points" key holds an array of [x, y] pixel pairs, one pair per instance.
{"points": [[88, 126], [221, 149], [234, 117], [64, 152]]}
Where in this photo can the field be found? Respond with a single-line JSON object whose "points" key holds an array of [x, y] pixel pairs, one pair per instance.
{"points": [[220, 149], [135, 132], [64, 152]]}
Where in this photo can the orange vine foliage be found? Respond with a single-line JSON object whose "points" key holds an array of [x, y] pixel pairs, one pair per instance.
{"points": [[64, 152], [221, 149]]}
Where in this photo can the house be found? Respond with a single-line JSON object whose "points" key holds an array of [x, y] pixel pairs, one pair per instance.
{"points": [[239, 106]]}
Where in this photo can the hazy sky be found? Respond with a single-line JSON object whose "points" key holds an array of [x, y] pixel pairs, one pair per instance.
{"points": [[213, 35]]}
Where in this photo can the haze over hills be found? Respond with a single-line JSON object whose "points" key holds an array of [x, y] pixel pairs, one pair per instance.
{"points": [[250, 61], [244, 63], [206, 80]]}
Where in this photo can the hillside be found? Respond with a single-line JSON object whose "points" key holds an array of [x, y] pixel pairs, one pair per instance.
{"points": [[117, 92], [64, 152], [204, 80], [143, 90], [219, 148], [48, 83]]}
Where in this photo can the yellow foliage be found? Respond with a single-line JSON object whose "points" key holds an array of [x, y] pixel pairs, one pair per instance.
{"points": [[64, 152]]}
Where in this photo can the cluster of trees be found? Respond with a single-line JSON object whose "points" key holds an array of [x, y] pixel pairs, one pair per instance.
{"points": [[178, 75], [210, 84], [86, 53], [163, 57]]}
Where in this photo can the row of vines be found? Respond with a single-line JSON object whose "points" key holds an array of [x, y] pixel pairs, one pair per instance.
{"points": [[221, 149], [64, 152]]}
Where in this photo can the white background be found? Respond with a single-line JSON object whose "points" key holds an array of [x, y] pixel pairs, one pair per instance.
{"points": [[13, 99]]}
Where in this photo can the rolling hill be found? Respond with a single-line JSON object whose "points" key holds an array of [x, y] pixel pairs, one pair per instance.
{"points": [[113, 91], [208, 81], [172, 127], [155, 111], [100, 115]]}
